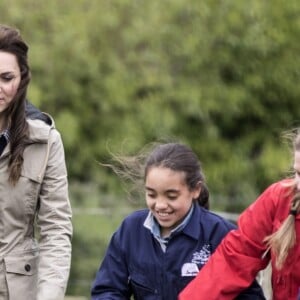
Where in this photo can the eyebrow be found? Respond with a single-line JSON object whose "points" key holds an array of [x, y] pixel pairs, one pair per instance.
{"points": [[149, 189], [8, 73]]}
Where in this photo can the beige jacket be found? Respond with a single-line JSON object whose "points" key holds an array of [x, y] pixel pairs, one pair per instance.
{"points": [[36, 255]]}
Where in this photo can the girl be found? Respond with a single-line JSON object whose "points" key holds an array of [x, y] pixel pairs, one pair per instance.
{"points": [[269, 231], [157, 251]]}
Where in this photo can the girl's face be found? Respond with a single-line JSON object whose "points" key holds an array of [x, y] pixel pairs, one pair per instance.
{"points": [[10, 77], [297, 169], [168, 197]]}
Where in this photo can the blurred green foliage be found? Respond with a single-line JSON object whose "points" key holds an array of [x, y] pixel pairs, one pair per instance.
{"points": [[221, 76]]}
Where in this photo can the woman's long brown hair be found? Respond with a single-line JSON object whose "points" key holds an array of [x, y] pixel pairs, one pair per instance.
{"points": [[12, 42]]}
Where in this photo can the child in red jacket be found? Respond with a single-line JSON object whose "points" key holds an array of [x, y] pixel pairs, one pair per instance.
{"points": [[269, 230]]}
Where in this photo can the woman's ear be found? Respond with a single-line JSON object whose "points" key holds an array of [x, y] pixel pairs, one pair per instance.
{"points": [[197, 190]]}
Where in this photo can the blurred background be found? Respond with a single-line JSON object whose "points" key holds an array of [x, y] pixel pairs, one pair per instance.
{"points": [[221, 76]]}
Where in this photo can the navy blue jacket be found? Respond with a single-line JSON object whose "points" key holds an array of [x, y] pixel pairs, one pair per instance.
{"points": [[135, 264]]}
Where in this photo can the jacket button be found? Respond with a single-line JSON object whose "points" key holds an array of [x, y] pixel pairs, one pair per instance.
{"points": [[27, 267]]}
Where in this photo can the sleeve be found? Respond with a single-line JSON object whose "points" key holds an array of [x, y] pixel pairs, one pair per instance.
{"points": [[235, 263], [54, 224], [112, 278]]}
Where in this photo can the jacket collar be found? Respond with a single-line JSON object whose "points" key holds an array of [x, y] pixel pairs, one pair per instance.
{"points": [[39, 130], [190, 229], [151, 224], [38, 133]]}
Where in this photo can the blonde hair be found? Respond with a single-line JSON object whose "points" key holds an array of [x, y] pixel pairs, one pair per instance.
{"points": [[281, 241]]}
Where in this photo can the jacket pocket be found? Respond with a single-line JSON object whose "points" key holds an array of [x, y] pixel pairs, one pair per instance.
{"points": [[24, 195], [142, 290], [21, 277]]}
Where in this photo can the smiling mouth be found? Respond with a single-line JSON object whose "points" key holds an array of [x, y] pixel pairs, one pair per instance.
{"points": [[163, 214]]}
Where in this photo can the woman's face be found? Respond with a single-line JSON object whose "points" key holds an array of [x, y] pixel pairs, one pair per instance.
{"points": [[168, 197], [10, 77]]}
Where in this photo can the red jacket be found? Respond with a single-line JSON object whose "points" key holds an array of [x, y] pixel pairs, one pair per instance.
{"points": [[238, 258]]}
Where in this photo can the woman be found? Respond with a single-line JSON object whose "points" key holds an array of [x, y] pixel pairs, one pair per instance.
{"points": [[157, 251], [33, 188], [269, 231]]}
